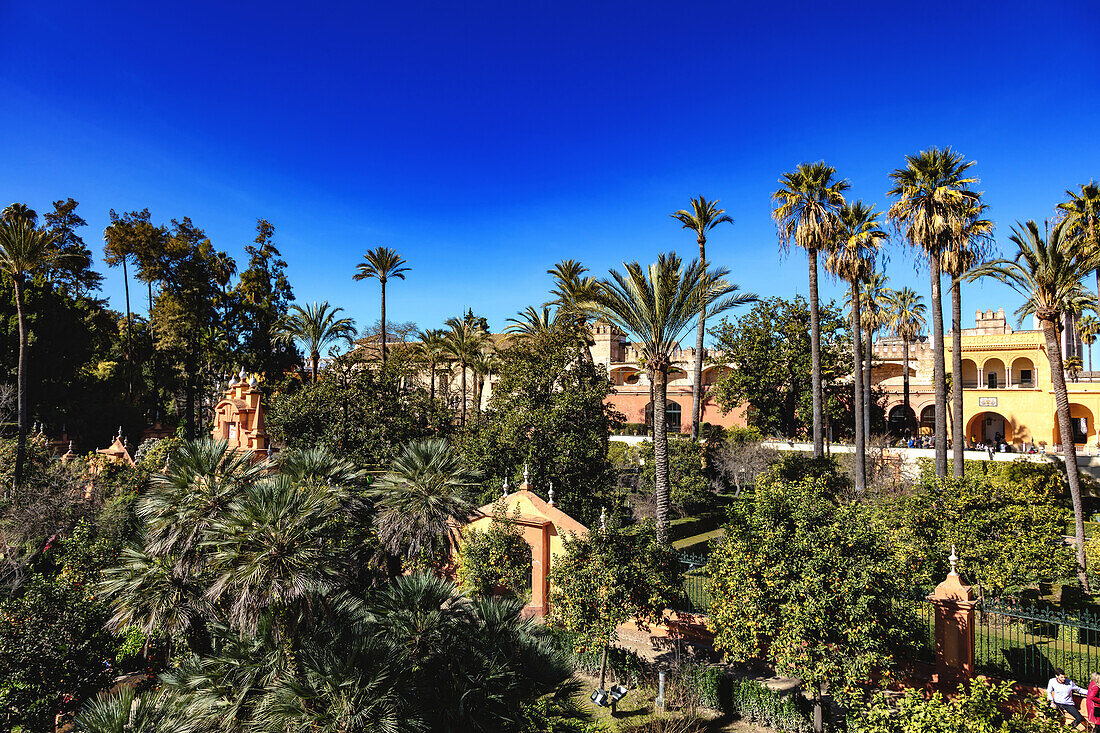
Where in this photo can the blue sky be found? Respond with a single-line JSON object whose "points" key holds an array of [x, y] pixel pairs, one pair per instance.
{"points": [[487, 141]]}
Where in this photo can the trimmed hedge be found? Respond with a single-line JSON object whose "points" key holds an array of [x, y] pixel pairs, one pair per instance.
{"points": [[624, 665], [748, 699]]}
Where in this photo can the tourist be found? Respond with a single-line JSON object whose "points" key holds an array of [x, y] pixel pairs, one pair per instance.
{"points": [[1060, 691], [1092, 701]]}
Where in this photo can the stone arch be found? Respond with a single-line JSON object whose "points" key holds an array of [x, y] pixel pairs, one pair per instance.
{"points": [[673, 415], [1022, 367], [1084, 424], [969, 374], [928, 420], [986, 426], [994, 375], [901, 419]]}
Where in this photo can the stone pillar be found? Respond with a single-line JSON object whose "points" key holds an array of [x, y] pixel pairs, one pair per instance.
{"points": [[540, 570], [954, 605], [981, 378]]}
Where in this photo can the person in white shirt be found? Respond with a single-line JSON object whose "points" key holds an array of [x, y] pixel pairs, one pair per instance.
{"points": [[1060, 691]]}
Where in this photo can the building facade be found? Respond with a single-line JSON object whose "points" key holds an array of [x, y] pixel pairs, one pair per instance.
{"points": [[1007, 390]]}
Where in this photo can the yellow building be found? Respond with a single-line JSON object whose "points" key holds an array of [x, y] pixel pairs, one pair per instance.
{"points": [[1007, 389]]}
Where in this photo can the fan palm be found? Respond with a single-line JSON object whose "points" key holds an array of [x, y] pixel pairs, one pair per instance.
{"points": [[704, 216], [1082, 215], [381, 263], [1048, 273], [25, 251], [933, 204], [656, 306], [316, 326], [464, 342], [422, 500], [1088, 328], [123, 711], [905, 319], [806, 207], [857, 239], [433, 348], [968, 244]]}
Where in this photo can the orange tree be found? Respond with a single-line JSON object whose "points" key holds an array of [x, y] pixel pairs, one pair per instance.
{"points": [[806, 579], [610, 576]]}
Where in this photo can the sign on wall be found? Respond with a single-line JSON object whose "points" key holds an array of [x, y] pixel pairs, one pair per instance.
{"points": [[987, 402]]}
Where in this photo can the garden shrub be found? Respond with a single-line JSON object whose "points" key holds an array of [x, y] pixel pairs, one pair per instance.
{"points": [[749, 700], [625, 665], [497, 560]]}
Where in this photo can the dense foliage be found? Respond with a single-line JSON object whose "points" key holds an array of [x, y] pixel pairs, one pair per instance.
{"points": [[770, 346], [807, 579], [497, 560]]}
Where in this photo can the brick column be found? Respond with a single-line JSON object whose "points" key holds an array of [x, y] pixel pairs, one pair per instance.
{"points": [[954, 606]]}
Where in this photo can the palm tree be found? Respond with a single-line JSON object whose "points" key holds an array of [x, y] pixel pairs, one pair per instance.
{"points": [[1048, 274], [571, 289], [316, 326], [933, 203], [1088, 328], [968, 245], [704, 216], [482, 365], [25, 250], [1082, 214], [382, 263], [464, 343], [905, 319], [656, 306], [422, 501], [433, 347], [806, 207], [873, 294], [851, 257], [533, 323]]}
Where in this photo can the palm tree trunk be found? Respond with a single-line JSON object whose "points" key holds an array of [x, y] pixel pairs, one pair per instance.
{"points": [[1069, 450], [905, 383], [957, 427], [660, 452], [868, 345], [697, 382], [383, 321], [153, 352], [129, 335], [21, 382], [314, 358], [939, 376], [462, 364], [857, 384], [431, 388], [815, 357]]}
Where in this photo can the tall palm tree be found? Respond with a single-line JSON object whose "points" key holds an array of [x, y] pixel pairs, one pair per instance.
{"points": [[905, 319], [316, 326], [1082, 215], [656, 306], [933, 202], [968, 244], [433, 348], [422, 501], [704, 216], [572, 288], [1088, 328], [464, 342], [25, 250], [533, 322], [873, 294], [482, 366], [1048, 273], [857, 240], [382, 263], [806, 207]]}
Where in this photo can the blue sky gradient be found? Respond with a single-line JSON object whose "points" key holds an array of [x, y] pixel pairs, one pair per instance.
{"points": [[487, 141]]}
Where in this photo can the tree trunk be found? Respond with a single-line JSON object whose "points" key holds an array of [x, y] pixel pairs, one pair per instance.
{"points": [[21, 382], [129, 335], [603, 663], [868, 346], [1069, 449], [660, 451], [314, 361], [815, 357], [153, 356], [905, 385], [431, 387], [697, 382], [958, 429], [819, 717], [462, 365], [383, 321], [190, 367], [939, 370], [857, 384]]}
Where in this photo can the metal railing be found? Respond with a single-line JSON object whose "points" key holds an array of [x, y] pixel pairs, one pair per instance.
{"points": [[1027, 644], [696, 583]]}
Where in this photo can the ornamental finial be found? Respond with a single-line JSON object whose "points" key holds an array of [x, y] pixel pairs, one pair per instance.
{"points": [[526, 475], [953, 559], [505, 492], [550, 494], [603, 519]]}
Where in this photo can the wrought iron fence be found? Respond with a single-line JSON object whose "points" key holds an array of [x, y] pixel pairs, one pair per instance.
{"points": [[1027, 644], [696, 583], [925, 648]]}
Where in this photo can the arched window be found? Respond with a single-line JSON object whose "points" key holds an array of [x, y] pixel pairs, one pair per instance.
{"points": [[672, 416]]}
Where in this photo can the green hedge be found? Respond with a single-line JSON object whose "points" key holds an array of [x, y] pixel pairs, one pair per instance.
{"points": [[748, 699], [624, 665]]}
